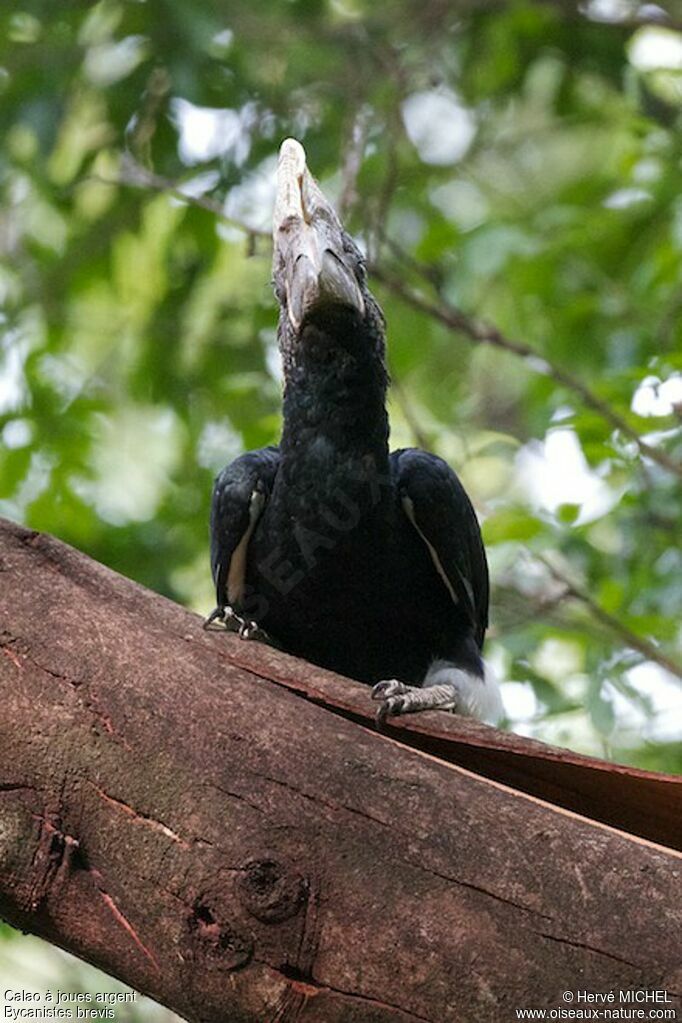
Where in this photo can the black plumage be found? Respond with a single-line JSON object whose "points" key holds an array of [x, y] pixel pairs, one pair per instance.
{"points": [[365, 562]]}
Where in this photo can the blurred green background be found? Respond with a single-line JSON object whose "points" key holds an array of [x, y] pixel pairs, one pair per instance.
{"points": [[512, 171]]}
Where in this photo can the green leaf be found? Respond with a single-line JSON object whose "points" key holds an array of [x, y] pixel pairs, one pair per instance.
{"points": [[511, 524], [568, 513]]}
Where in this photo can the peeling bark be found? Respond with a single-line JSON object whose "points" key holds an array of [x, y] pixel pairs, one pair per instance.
{"points": [[226, 845]]}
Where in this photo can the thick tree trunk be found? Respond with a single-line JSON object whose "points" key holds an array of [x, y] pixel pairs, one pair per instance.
{"points": [[241, 854]]}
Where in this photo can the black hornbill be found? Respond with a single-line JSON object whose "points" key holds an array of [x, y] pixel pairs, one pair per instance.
{"points": [[361, 561]]}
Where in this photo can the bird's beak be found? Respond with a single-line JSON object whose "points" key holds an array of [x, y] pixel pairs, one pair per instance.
{"points": [[309, 254]]}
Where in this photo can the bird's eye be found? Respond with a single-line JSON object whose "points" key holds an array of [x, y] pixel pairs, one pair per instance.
{"points": [[279, 290]]}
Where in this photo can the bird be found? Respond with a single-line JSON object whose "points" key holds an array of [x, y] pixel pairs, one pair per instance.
{"points": [[364, 561]]}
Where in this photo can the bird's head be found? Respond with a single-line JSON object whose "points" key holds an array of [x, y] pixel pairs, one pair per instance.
{"points": [[318, 270]]}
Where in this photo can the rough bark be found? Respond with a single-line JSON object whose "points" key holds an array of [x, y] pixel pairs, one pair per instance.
{"points": [[242, 854], [644, 803]]}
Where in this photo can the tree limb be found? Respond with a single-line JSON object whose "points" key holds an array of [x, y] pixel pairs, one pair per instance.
{"points": [[482, 333], [641, 644], [239, 853]]}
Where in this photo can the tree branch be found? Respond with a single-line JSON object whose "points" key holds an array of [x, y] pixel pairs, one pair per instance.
{"points": [[650, 650], [482, 333], [176, 809], [133, 175], [353, 152]]}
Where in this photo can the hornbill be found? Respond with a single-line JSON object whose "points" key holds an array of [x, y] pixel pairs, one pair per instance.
{"points": [[365, 562]]}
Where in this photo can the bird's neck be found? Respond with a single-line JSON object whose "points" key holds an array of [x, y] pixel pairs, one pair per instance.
{"points": [[335, 403]]}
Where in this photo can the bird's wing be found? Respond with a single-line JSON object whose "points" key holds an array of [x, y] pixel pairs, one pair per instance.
{"points": [[438, 507], [239, 496]]}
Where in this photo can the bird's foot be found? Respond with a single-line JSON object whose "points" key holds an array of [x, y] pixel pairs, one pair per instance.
{"points": [[398, 698], [248, 629], [216, 616], [395, 698], [233, 622]]}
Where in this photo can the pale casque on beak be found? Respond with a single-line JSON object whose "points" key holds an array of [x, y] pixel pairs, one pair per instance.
{"points": [[312, 266]]}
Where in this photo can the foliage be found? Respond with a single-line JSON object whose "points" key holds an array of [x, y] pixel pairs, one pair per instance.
{"points": [[512, 165]]}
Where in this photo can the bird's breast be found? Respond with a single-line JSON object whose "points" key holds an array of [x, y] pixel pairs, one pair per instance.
{"points": [[346, 583]]}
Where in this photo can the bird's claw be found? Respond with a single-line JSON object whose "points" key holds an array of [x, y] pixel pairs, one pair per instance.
{"points": [[217, 615], [247, 629], [394, 696], [231, 621]]}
